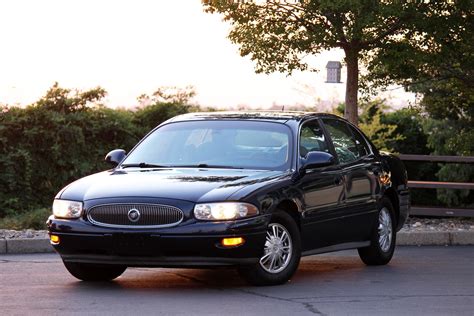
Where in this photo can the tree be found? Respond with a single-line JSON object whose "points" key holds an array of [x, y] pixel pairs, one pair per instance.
{"points": [[278, 35], [442, 71], [445, 51], [449, 104]]}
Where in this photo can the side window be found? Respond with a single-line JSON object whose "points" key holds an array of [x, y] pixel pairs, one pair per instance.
{"points": [[312, 139], [345, 144], [360, 142]]}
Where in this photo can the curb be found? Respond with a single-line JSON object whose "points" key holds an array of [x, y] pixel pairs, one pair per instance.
{"points": [[458, 238], [25, 245], [3, 246]]}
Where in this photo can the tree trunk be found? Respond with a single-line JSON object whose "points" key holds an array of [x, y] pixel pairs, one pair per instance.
{"points": [[352, 85]]}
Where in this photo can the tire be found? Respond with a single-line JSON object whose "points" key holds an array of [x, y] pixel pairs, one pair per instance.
{"points": [[94, 272], [276, 266], [381, 248]]}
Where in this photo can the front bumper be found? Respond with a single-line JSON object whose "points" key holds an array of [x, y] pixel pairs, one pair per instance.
{"points": [[196, 244]]}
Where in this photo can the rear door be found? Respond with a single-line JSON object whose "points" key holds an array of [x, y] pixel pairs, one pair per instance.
{"points": [[359, 168]]}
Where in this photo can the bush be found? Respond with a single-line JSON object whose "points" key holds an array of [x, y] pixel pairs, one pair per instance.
{"points": [[35, 219], [63, 137]]}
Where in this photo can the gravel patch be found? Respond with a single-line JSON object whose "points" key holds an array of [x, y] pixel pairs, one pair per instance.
{"points": [[417, 224], [26, 233]]}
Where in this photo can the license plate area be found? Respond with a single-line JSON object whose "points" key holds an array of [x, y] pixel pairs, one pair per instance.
{"points": [[135, 244]]}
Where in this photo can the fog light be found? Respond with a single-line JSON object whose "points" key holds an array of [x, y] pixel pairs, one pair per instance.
{"points": [[54, 239], [232, 242]]}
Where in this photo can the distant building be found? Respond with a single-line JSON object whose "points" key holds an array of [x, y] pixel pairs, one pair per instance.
{"points": [[333, 72]]}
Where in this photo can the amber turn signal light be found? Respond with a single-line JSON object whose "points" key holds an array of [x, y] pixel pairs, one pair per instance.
{"points": [[54, 239], [232, 242], [385, 178]]}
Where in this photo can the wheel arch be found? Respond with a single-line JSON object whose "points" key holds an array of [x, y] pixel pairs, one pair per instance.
{"points": [[291, 207]]}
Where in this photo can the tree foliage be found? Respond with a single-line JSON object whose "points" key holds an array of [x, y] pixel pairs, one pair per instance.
{"points": [[437, 49], [164, 103], [64, 100], [384, 135], [441, 70], [279, 35], [452, 137]]}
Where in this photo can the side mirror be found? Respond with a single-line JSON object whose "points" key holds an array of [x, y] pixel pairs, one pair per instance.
{"points": [[316, 159], [115, 157]]}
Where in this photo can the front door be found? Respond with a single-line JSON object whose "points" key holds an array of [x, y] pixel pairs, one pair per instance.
{"points": [[322, 189]]}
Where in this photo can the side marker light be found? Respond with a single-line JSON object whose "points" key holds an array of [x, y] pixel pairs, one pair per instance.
{"points": [[232, 242], [54, 239]]}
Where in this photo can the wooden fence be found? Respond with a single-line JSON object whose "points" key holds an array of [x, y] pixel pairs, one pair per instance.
{"points": [[439, 211]]}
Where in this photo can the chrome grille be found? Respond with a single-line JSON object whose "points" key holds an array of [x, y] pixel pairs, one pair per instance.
{"points": [[150, 215]]}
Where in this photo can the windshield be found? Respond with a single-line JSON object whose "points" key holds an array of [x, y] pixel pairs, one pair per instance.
{"points": [[227, 144]]}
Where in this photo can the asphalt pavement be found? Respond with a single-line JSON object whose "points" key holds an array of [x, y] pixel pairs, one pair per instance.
{"points": [[418, 281]]}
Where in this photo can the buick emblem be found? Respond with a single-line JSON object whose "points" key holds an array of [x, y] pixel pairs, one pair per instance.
{"points": [[133, 215]]}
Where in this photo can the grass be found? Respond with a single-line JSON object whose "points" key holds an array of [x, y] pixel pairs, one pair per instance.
{"points": [[35, 219]]}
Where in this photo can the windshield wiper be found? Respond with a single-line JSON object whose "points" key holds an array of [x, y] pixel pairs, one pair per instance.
{"points": [[201, 165], [205, 165], [143, 165]]}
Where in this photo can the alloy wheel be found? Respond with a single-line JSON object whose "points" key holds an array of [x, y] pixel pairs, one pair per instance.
{"points": [[277, 250], [385, 229]]}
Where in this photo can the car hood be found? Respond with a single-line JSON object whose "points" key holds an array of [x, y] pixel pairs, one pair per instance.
{"points": [[190, 184]]}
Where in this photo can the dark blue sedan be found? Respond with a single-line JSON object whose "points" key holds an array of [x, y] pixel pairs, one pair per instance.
{"points": [[255, 190]]}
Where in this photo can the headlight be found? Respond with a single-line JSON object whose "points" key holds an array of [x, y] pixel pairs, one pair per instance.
{"points": [[67, 209], [224, 211]]}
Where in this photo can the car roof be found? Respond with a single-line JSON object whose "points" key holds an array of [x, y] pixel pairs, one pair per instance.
{"points": [[280, 116]]}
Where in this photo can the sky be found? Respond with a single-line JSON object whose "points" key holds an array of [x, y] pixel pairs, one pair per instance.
{"points": [[134, 47]]}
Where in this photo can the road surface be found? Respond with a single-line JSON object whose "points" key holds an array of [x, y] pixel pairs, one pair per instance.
{"points": [[418, 281]]}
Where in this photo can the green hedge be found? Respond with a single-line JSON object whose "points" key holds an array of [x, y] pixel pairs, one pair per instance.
{"points": [[62, 138], [66, 134]]}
